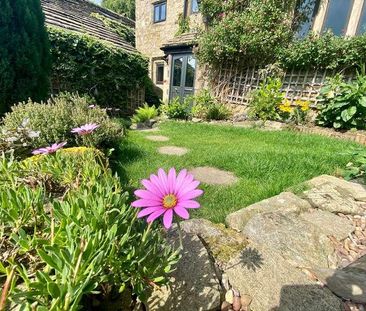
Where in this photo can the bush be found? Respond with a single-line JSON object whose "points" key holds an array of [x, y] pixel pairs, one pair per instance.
{"points": [[144, 114], [177, 109], [68, 236], [55, 119], [295, 112], [85, 65], [218, 112], [24, 52], [265, 101], [343, 105], [357, 167]]}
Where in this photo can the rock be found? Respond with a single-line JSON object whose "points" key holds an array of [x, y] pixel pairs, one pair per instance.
{"points": [[223, 243], [285, 202], [225, 306], [274, 125], [246, 300], [275, 284], [348, 283], [194, 283], [145, 125], [229, 296], [240, 117], [214, 176], [173, 150], [196, 120], [158, 138], [355, 190], [296, 240], [335, 199], [329, 224]]}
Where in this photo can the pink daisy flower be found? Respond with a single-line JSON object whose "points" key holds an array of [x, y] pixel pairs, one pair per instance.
{"points": [[51, 149], [85, 129], [166, 195]]}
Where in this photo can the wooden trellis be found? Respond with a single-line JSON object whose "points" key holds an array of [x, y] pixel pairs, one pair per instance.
{"points": [[233, 85]]}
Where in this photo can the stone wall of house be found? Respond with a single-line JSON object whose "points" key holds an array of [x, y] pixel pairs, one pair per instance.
{"points": [[151, 36]]}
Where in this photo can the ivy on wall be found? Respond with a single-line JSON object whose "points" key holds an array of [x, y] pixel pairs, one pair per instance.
{"points": [[88, 66]]}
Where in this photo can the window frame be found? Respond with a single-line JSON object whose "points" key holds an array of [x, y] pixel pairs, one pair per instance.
{"points": [[348, 20], [157, 66], [359, 24], [159, 5]]}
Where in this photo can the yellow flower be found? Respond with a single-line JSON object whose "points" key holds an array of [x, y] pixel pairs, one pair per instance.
{"points": [[304, 105], [286, 106]]}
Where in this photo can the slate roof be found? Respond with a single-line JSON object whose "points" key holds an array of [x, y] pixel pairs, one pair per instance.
{"points": [[76, 15], [183, 40]]}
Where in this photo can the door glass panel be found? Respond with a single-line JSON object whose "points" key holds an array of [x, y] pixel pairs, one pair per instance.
{"points": [[190, 73], [177, 71], [362, 25], [337, 16]]}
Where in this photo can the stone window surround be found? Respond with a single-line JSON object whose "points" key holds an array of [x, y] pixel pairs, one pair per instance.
{"points": [[353, 21], [159, 3], [157, 65]]}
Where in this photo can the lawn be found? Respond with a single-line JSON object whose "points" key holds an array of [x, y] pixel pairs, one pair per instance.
{"points": [[266, 163]]}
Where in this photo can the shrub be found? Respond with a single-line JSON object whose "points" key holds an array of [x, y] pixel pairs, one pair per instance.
{"points": [[144, 114], [64, 243], [343, 105], [177, 109], [201, 103], [218, 111], [88, 66], [295, 112], [55, 119], [24, 52], [357, 167], [265, 100]]}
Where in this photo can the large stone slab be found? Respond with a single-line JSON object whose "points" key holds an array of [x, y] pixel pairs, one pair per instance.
{"points": [[214, 176], [222, 242], [194, 284], [329, 224], [355, 190], [285, 202], [348, 283], [296, 240], [274, 284]]}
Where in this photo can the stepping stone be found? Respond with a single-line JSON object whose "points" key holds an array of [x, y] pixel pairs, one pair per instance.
{"points": [[284, 202], [157, 138], [214, 176], [148, 130], [172, 150]]}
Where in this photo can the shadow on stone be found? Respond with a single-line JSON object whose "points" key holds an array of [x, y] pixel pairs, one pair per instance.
{"points": [[306, 298], [250, 258]]}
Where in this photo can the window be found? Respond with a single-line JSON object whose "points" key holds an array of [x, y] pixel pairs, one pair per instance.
{"points": [[190, 73], [337, 16], [160, 12], [159, 77], [362, 24], [306, 11], [195, 6]]}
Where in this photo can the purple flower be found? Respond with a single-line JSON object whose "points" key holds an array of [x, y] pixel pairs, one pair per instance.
{"points": [[51, 149], [85, 129]]}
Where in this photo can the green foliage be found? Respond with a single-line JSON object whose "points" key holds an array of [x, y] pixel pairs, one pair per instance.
{"points": [[324, 52], [24, 52], [145, 113], [70, 241], [294, 112], [123, 7], [55, 119], [183, 24], [254, 33], [357, 167], [177, 109], [125, 32], [206, 107], [343, 104], [88, 66], [266, 99]]}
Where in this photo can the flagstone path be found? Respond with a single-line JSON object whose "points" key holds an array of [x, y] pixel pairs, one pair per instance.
{"points": [[173, 150], [214, 176], [159, 138]]}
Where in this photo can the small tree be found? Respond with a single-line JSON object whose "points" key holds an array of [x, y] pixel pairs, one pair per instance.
{"points": [[24, 52], [123, 7]]}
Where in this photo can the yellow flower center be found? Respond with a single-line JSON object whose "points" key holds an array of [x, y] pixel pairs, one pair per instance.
{"points": [[170, 201]]}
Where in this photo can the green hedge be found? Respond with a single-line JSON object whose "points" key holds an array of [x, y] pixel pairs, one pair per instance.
{"points": [[89, 66]]}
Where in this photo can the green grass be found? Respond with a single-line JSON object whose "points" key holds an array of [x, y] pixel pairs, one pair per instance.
{"points": [[266, 163]]}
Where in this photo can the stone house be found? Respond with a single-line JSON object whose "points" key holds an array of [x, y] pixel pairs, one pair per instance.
{"points": [[165, 33]]}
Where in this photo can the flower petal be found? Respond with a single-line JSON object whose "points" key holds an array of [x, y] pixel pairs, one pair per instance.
{"points": [[155, 215], [191, 195], [187, 187], [147, 211], [164, 180], [144, 194], [145, 203], [189, 204], [180, 179], [168, 218], [157, 182], [151, 187], [172, 177], [181, 212]]}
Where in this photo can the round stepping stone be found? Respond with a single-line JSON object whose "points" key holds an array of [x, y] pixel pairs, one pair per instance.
{"points": [[172, 150], [157, 138], [214, 176], [145, 130]]}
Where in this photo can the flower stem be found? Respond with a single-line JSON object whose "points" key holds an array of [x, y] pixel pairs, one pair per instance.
{"points": [[180, 235]]}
